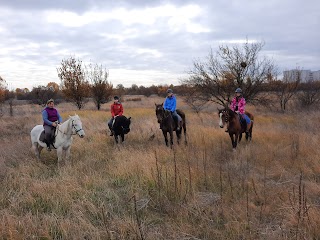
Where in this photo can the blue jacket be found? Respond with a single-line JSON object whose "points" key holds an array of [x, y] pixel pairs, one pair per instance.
{"points": [[170, 103]]}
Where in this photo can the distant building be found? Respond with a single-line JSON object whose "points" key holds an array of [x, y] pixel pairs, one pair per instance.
{"points": [[305, 75], [316, 75]]}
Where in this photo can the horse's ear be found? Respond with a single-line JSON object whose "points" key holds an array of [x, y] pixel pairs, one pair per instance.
{"points": [[129, 118], [155, 104], [161, 104]]}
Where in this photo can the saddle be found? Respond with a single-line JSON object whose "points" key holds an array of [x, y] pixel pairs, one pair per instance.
{"points": [[52, 139]]}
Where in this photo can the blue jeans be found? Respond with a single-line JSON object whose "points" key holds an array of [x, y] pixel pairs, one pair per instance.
{"points": [[246, 118], [176, 116]]}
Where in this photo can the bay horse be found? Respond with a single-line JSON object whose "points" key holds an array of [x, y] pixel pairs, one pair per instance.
{"points": [[235, 127], [63, 137], [120, 127], [168, 125]]}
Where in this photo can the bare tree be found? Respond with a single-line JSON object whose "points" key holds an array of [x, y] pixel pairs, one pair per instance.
{"points": [[2, 89], [120, 90], [2, 93], [287, 88], [309, 94], [41, 94], [194, 99], [101, 89], [74, 85], [232, 67]]}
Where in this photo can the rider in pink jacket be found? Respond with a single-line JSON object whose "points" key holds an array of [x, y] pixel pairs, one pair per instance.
{"points": [[238, 105]]}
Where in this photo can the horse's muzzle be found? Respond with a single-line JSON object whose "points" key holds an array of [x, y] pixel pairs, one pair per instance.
{"points": [[126, 131]]}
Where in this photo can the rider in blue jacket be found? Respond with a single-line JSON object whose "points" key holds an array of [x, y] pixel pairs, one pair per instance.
{"points": [[170, 104]]}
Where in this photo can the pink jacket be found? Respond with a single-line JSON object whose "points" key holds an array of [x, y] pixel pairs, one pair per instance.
{"points": [[241, 104]]}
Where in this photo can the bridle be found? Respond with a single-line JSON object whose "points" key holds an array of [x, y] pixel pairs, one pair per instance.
{"points": [[73, 127], [226, 115], [163, 114]]}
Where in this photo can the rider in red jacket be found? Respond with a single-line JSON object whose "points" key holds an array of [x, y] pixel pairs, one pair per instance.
{"points": [[116, 110]]}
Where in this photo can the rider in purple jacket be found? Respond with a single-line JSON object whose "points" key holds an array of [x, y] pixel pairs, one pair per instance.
{"points": [[50, 117]]}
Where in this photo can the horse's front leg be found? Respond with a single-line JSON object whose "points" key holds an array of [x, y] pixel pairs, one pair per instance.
{"points": [[233, 138], [165, 137], [122, 137], [171, 138], [116, 138], [178, 134], [59, 154], [67, 153]]}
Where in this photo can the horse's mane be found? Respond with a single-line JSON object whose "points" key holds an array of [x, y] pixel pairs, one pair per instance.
{"points": [[230, 112]]}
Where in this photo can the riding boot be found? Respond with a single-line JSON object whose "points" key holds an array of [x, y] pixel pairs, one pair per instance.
{"points": [[48, 145]]}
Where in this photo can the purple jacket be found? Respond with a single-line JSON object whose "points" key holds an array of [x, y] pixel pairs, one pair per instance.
{"points": [[50, 115]]}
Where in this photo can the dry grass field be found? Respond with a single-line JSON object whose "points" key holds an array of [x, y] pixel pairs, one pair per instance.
{"points": [[266, 189]]}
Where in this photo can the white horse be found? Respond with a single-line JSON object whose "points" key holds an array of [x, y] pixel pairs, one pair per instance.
{"points": [[63, 137]]}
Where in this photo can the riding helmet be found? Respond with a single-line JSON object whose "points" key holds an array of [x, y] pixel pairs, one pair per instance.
{"points": [[238, 90], [50, 100], [169, 91], [116, 98]]}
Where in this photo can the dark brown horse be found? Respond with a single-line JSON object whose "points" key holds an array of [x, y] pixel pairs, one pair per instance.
{"points": [[121, 126], [168, 125], [235, 125]]}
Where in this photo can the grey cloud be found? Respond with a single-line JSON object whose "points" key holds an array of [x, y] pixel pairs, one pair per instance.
{"points": [[291, 35]]}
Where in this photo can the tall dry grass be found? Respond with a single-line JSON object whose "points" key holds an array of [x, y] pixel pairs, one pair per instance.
{"points": [[266, 189]]}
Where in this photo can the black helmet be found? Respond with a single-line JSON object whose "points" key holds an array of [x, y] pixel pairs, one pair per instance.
{"points": [[238, 90], [116, 98], [169, 91]]}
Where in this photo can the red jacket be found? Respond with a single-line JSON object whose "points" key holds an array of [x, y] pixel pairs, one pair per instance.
{"points": [[116, 109]]}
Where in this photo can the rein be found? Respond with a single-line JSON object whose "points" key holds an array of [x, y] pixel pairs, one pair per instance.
{"points": [[164, 117], [73, 126]]}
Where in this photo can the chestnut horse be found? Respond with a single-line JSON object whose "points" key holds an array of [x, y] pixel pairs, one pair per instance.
{"points": [[168, 125], [235, 126]]}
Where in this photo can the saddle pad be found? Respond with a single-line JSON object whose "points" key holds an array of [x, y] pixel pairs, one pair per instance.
{"points": [[42, 136]]}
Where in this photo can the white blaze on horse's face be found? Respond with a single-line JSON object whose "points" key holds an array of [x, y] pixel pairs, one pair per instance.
{"points": [[77, 126], [220, 121]]}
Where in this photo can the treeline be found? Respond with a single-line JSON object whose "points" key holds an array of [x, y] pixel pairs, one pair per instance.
{"points": [[211, 80]]}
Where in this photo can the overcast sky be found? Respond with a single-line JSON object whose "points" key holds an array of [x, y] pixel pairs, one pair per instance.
{"points": [[148, 42]]}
